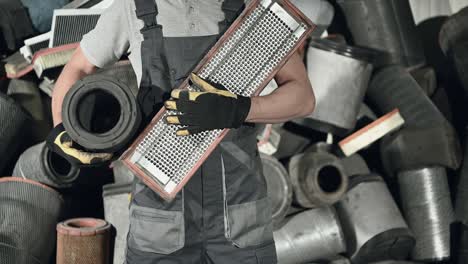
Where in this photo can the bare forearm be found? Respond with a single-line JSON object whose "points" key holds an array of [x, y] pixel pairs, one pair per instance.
{"points": [[76, 69], [294, 97], [282, 105]]}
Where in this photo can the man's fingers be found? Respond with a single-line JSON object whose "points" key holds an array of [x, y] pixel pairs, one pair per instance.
{"points": [[190, 130], [186, 95], [170, 105], [201, 83], [173, 120]]}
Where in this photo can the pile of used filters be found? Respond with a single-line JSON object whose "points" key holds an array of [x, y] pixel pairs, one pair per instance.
{"points": [[374, 175]]}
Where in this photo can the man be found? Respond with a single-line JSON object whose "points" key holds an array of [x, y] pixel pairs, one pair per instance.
{"points": [[222, 215]]}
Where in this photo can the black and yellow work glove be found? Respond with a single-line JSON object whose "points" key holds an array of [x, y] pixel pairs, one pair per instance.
{"points": [[213, 107], [60, 142]]}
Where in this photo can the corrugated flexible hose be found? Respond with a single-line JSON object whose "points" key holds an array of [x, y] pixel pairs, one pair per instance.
{"points": [[29, 212]]}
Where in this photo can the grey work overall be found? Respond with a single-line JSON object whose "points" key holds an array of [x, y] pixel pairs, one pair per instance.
{"points": [[223, 214]]}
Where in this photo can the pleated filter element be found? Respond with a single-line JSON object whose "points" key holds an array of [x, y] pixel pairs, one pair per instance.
{"points": [[244, 60], [29, 212], [83, 240], [69, 25]]}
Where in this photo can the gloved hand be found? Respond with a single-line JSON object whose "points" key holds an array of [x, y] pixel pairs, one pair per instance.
{"points": [[60, 142], [214, 107]]}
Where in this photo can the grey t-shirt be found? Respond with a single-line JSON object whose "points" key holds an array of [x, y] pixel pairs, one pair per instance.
{"points": [[118, 29]]}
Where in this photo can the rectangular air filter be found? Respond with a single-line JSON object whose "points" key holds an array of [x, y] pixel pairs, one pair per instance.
{"points": [[244, 60], [70, 25]]}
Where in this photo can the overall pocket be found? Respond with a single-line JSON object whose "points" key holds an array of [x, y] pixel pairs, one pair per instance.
{"points": [[249, 224], [156, 231]]}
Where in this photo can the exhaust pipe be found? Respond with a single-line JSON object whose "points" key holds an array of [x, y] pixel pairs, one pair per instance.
{"points": [[279, 187], [318, 178], [387, 236], [312, 235], [427, 206], [386, 25]]}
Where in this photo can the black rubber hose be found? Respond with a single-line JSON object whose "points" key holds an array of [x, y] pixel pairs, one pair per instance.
{"points": [[101, 114], [393, 87], [29, 212], [40, 164], [14, 122], [386, 25]]}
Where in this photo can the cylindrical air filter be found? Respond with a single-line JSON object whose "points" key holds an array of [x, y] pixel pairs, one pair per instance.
{"points": [[311, 235], [386, 25], [116, 211], [339, 75], [427, 207], [14, 123], [372, 223], [29, 212], [101, 114], [83, 240], [318, 178], [279, 187], [320, 12], [40, 164]]}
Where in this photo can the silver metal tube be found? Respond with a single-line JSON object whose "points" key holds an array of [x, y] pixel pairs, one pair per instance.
{"points": [[427, 206], [311, 235], [279, 187], [318, 178], [373, 225]]}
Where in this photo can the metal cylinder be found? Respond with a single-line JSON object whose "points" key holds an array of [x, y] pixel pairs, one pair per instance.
{"points": [[355, 165], [428, 209], [320, 12], [318, 178], [386, 25], [14, 123], [311, 235], [29, 212], [372, 223], [83, 240], [279, 187], [101, 113], [40, 164], [339, 75], [116, 211]]}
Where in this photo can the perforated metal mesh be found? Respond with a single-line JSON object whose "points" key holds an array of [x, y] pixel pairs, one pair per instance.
{"points": [[242, 63]]}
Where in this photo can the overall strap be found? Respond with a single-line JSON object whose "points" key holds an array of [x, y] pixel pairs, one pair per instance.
{"points": [[231, 9], [147, 11]]}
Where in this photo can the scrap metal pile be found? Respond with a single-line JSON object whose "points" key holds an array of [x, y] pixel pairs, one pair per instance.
{"points": [[376, 174]]}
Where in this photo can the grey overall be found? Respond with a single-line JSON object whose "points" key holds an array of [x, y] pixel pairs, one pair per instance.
{"points": [[223, 214]]}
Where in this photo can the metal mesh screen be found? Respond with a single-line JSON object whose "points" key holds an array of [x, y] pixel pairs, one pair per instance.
{"points": [[243, 62]]}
